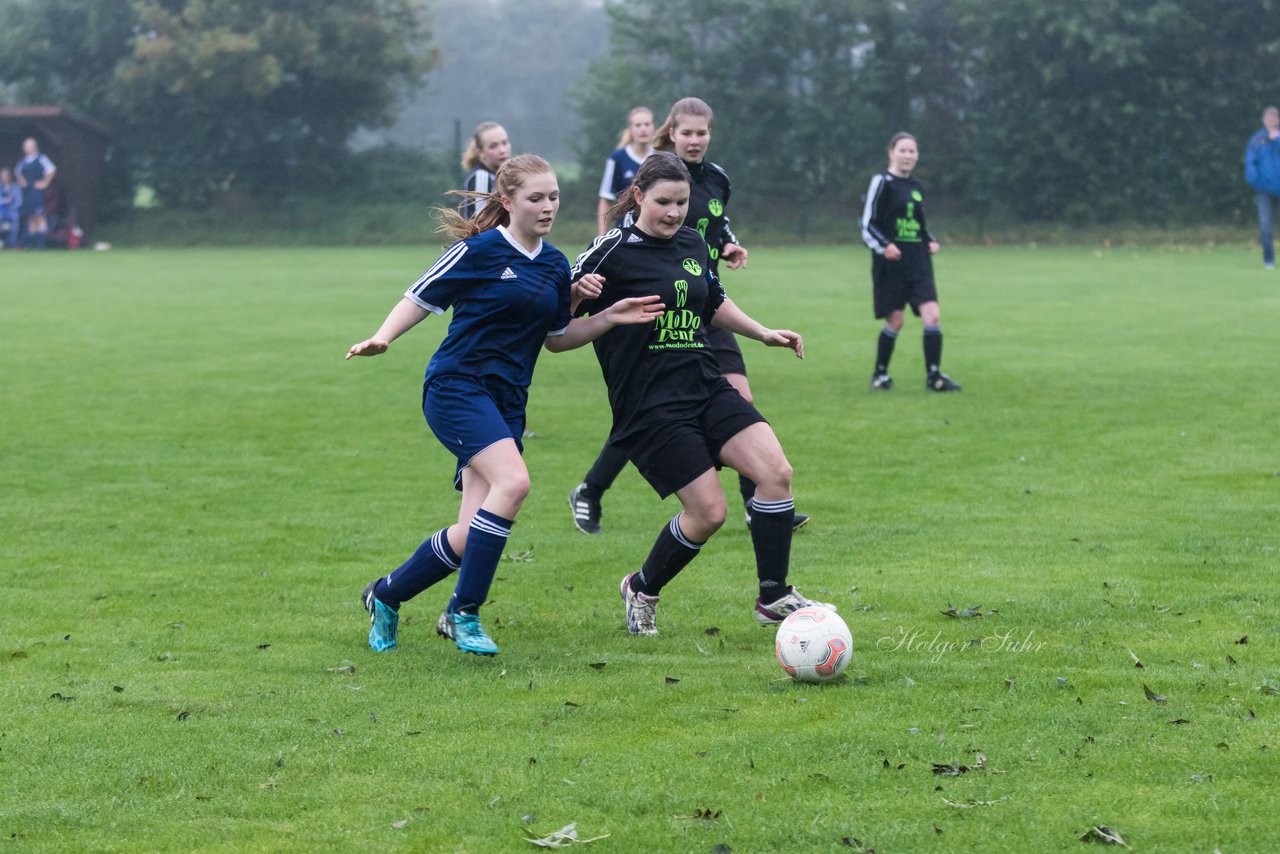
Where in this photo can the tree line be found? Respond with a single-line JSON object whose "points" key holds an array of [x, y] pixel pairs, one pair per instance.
{"points": [[1096, 111], [1089, 112]]}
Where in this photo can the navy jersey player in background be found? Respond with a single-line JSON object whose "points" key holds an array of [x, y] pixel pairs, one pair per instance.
{"points": [[33, 174], [674, 414], [488, 149], [902, 249], [510, 294], [687, 133], [634, 146]]}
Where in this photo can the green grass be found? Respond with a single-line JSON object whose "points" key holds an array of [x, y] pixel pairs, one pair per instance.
{"points": [[196, 486]]}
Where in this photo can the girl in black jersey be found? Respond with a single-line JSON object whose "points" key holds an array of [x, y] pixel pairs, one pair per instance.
{"points": [[488, 149], [902, 250], [687, 132], [674, 414]]}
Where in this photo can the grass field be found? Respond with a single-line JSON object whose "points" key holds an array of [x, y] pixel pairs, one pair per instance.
{"points": [[195, 487]]}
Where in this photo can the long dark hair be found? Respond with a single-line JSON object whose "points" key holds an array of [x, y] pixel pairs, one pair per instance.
{"points": [[511, 177], [658, 167]]}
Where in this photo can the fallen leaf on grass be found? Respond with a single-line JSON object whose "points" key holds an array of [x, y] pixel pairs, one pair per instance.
{"points": [[1244, 640], [399, 825], [119, 689], [1104, 834], [183, 715], [856, 844], [1153, 696], [966, 613], [671, 680], [1268, 688], [703, 814], [58, 695], [264, 646], [950, 769], [968, 805], [598, 665], [711, 631], [562, 838], [1136, 663], [1180, 722]]}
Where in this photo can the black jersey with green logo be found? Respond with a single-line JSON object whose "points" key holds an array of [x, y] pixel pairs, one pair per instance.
{"points": [[662, 370], [708, 199], [894, 213]]}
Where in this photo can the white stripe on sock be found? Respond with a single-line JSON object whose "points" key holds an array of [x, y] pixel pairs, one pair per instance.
{"points": [[780, 506], [679, 535]]}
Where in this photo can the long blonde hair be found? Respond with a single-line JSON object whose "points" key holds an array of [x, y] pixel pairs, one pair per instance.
{"points": [[684, 107], [511, 177], [625, 139], [471, 157]]}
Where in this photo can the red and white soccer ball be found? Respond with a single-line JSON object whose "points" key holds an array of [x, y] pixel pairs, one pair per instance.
{"points": [[814, 645]]}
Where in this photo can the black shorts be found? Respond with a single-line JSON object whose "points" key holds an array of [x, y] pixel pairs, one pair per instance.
{"points": [[896, 284], [673, 453], [724, 344]]}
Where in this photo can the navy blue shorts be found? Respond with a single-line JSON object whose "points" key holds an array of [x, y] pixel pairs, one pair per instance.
{"points": [[32, 201], [469, 415]]}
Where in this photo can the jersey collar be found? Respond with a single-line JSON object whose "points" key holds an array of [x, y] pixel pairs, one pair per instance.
{"points": [[516, 244]]}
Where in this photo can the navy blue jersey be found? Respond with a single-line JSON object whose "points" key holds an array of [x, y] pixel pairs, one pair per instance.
{"points": [[33, 168], [661, 370], [505, 301], [619, 171]]}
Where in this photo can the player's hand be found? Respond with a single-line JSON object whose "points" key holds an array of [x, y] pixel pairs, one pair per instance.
{"points": [[892, 253], [735, 255], [372, 347], [588, 287], [784, 338], [934, 246], [636, 310]]}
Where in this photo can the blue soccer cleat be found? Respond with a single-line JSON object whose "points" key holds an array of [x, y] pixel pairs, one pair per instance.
{"points": [[465, 631], [383, 620]]}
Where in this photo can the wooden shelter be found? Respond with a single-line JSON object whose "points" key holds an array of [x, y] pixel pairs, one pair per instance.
{"points": [[76, 145]]}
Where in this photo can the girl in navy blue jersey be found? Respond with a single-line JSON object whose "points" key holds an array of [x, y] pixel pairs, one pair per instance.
{"points": [[674, 414], [510, 294], [634, 146], [902, 249]]}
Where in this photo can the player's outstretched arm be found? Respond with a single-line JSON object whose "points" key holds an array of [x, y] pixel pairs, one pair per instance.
{"points": [[406, 315], [729, 316], [583, 330]]}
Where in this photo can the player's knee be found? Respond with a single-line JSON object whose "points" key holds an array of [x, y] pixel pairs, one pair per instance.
{"points": [[514, 487], [707, 518]]}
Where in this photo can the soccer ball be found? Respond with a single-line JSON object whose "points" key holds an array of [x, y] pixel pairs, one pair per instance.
{"points": [[813, 645]]}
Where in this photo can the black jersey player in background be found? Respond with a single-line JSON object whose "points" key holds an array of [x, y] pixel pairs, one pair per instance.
{"points": [[902, 249], [487, 150], [687, 133], [510, 295], [674, 414]]}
